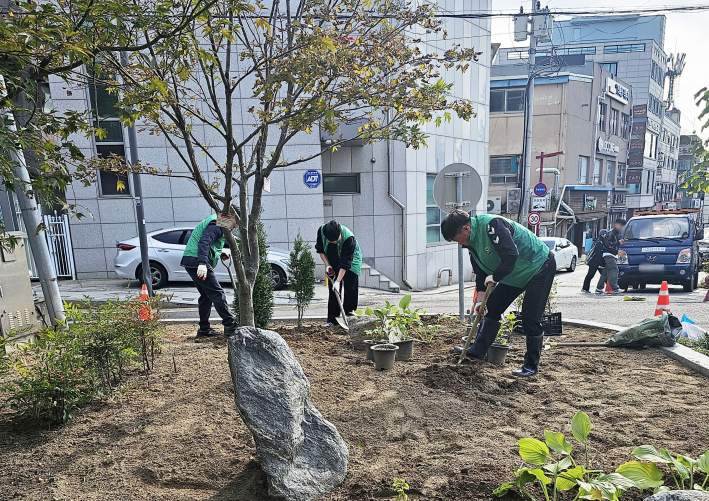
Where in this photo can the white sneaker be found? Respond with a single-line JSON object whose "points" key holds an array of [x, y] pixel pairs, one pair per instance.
{"points": [[328, 324]]}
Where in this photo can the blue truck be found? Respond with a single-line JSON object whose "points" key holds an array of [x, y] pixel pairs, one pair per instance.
{"points": [[661, 246]]}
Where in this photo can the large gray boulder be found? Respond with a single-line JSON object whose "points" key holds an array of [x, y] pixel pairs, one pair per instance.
{"points": [[679, 496], [302, 454], [359, 325]]}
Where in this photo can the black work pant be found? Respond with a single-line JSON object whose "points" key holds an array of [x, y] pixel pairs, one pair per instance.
{"points": [[211, 293], [592, 269], [537, 291], [350, 287]]}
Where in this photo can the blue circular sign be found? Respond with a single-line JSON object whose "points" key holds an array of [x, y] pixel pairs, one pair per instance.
{"points": [[312, 178], [540, 189]]}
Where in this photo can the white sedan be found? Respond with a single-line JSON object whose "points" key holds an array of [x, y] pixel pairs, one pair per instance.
{"points": [[565, 253], [165, 249]]}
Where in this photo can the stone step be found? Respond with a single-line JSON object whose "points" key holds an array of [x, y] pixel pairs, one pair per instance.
{"points": [[373, 279]]}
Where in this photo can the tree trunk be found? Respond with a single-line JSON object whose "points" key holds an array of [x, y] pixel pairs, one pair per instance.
{"points": [[246, 305]]}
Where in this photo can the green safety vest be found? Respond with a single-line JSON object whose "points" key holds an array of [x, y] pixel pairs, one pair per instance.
{"points": [[345, 233], [215, 250], [532, 251]]}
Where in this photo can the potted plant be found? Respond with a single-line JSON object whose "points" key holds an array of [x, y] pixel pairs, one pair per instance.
{"points": [[384, 356], [396, 325], [497, 352], [377, 336]]}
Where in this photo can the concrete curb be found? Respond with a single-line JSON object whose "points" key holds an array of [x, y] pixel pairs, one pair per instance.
{"points": [[589, 323]]}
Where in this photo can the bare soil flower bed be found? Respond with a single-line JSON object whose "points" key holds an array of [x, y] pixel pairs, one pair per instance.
{"points": [[450, 430]]}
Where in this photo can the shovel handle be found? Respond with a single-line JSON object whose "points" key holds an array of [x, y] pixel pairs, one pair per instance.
{"points": [[476, 322]]}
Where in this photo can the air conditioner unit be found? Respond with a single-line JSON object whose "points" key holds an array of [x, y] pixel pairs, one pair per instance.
{"points": [[494, 205], [17, 314], [514, 198]]}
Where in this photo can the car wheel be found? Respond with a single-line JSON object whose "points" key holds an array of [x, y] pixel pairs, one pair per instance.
{"points": [[690, 284], [278, 277], [157, 272], [643, 286], [572, 266]]}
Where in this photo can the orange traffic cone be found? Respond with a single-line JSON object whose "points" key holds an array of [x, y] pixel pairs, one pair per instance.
{"points": [[146, 311], [609, 289], [663, 300]]}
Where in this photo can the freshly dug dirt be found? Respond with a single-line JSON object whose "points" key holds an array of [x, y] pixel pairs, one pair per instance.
{"points": [[450, 430]]}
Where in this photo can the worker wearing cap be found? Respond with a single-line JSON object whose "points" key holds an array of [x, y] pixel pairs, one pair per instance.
{"points": [[339, 250], [202, 254], [514, 260]]}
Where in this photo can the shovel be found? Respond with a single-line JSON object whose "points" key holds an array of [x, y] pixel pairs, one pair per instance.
{"points": [[341, 321], [473, 327], [227, 265]]}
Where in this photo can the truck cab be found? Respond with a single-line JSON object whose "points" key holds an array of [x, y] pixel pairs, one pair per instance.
{"points": [[660, 246]]}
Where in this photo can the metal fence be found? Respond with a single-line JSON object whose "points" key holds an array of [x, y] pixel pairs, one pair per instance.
{"points": [[58, 241]]}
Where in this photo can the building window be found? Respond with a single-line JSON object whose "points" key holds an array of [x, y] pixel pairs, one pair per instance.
{"points": [[503, 170], [602, 112], [655, 105], [650, 181], [620, 176], [583, 170], [597, 170], [625, 125], [340, 183], [657, 74], [619, 49], [611, 68], [509, 101], [650, 145], [610, 167], [613, 124], [575, 50], [433, 213], [517, 55], [109, 138]]}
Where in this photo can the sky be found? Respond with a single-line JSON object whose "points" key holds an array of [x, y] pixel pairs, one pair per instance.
{"points": [[686, 33]]}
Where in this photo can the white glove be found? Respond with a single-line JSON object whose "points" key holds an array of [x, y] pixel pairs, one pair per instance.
{"points": [[336, 286], [489, 280], [202, 271], [476, 309], [328, 271]]}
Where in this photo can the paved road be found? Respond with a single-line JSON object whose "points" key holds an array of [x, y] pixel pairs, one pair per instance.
{"points": [[571, 302]]}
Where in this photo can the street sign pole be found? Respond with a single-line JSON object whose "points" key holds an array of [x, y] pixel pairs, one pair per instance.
{"points": [[461, 282]]}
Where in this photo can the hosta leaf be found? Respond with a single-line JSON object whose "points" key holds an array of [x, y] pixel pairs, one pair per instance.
{"points": [[523, 477], [533, 451], [595, 487], [686, 461], [569, 478], [645, 475], [581, 426], [557, 442], [662, 488], [368, 311], [619, 481], [538, 473], [558, 467], [703, 462], [503, 489], [649, 453]]}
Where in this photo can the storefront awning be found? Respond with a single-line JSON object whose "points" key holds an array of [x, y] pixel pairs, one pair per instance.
{"points": [[590, 215]]}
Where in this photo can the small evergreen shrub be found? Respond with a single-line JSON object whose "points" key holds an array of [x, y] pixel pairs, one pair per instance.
{"points": [[302, 270], [263, 286]]}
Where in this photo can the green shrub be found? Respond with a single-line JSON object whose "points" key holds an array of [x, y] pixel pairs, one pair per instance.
{"points": [[84, 359], [302, 270], [263, 286]]}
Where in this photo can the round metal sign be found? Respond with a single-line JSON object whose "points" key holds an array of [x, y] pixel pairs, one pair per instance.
{"points": [[445, 192], [540, 189], [533, 218]]}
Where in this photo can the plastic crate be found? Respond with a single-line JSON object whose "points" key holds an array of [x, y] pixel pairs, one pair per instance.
{"points": [[550, 323]]}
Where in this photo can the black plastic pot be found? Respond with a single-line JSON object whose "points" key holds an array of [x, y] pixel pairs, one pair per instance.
{"points": [[384, 356], [497, 353], [368, 348], [406, 349]]}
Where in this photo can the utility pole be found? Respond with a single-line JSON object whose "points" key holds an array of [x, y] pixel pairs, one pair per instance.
{"points": [[138, 196], [530, 114], [33, 220]]}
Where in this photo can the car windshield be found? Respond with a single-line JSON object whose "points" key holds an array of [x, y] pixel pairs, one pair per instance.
{"points": [[657, 227], [550, 243]]}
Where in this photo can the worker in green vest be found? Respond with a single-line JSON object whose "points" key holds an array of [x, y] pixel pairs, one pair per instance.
{"points": [[339, 250], [514, 260], [202, 254]]}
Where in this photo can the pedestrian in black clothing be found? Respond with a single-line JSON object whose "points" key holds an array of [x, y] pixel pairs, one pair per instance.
{"points": [[594, 261], [611, 244], [339, 250]]}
